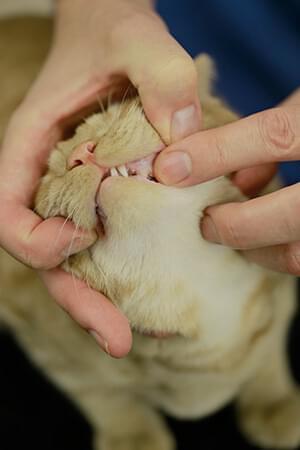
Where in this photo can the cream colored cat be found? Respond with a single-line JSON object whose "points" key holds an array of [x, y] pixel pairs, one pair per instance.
{"points": [[227, 318]]}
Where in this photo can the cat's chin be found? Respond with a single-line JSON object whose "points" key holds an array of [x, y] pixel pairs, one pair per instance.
{"points": [[107, 192]]}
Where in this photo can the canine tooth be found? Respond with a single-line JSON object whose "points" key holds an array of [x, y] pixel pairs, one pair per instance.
{"points": [[114, 172], [122, 170]]}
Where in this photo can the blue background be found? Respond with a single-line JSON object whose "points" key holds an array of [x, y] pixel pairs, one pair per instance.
{"points": [[256, 46]]}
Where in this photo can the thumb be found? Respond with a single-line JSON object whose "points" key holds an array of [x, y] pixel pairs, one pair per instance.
{"points": [[166, 79]]}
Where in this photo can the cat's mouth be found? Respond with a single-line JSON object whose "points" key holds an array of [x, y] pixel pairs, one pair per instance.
{"points": [[140, 169]]}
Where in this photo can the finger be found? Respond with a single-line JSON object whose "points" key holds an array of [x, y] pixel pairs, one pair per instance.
{"points": [[293, 98], [23, 158], [280, 258], [40, 243], [91, 310], [251, 181], [269, 220], [37, 243], [165, 76], [269, 136]]}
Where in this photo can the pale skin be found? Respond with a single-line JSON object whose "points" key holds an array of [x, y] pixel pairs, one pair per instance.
{"points": [[89, 57]]}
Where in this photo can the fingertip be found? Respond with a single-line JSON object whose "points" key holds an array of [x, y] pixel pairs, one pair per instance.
{"points": [[168, 88], [91, 310], [116, 349], [172, 168], [171, 120], [120, 346], [115, 331], [55, 239], [185, 122], [209, 230]]}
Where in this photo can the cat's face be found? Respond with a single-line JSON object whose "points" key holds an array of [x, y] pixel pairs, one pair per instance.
{"points": [[146, 256]]}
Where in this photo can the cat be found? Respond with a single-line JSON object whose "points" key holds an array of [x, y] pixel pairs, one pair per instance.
{"points": [[209, 327]]}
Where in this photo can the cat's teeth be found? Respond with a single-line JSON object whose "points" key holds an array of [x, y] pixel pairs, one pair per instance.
{"points": [[122, 170], [114, 172]]}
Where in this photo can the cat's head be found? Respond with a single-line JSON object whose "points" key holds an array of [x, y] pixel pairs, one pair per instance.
{"points": [[146, 259]]}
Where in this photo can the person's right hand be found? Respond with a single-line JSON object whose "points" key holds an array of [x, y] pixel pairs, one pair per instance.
{"points": [[98, 45], [265, 228]]}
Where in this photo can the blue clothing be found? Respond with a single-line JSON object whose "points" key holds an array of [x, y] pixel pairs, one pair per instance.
{"points": [[256, 46]]}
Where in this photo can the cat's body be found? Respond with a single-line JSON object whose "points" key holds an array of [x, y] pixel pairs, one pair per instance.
{"points": [[227, 318]]}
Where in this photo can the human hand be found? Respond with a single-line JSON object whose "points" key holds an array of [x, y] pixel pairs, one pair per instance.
{"points": [[96, 48], [266, 228]]}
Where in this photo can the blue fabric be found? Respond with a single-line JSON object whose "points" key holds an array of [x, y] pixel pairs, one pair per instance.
{"points": [[256, 46]]}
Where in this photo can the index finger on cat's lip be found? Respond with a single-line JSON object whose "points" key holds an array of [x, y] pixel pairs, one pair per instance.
{"points": [[265, 137], [91, 310]]}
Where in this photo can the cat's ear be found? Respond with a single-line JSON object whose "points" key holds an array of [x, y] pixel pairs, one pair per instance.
{"points": [[206, 75], [215, 111]]}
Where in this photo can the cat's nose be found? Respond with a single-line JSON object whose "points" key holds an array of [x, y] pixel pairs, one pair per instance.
{"points": [[82, 154]]}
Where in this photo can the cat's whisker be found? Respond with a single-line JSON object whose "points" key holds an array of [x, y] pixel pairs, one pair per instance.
{"points": [[70, 215], [62, 227], [101, 271], [72, 240], [75, 285], [125, 95], [120, 106], [51, 201], [87, 281], [109, 98], [101, 104]]}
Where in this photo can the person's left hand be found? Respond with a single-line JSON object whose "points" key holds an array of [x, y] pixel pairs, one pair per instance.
{"points": [[267, 228]]}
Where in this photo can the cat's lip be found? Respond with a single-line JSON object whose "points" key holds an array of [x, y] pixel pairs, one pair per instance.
{"points": [[142, 167], [156, 334]]}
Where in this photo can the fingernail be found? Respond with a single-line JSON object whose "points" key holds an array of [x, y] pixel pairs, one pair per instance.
{"points": [[209, 230], [174, 167], [99, 339], [186, 121], [78, 244]]}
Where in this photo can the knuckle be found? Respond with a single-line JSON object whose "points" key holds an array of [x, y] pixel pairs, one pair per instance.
{"points": [[229, 231], [29, 259], [33, 260], [232, 236], [276, 132], [221, 155], [131, 24], [293, 260], [183, 68]]}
